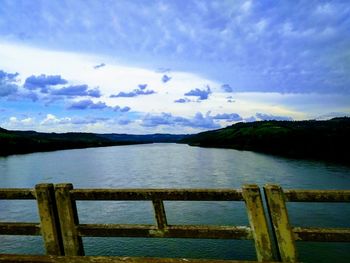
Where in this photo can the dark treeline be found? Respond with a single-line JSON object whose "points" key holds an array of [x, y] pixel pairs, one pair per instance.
{"points": [[17, 142], [327, 140]]}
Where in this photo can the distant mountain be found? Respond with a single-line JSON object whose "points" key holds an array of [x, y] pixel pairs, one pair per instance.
{"points": [[17, 142], [148, 138], [328, 140]]}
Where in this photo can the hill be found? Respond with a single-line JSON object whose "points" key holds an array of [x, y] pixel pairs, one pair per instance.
{"points": [[327, 140], [146, 138], [17, 142]]}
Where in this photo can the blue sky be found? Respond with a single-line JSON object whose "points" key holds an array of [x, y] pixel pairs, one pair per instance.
{"points": [[171, 66]]}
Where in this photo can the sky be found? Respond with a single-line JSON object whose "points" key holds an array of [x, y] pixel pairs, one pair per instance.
{"points": [[181, 66]]}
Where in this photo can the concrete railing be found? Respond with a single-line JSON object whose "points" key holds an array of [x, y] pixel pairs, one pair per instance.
{"points": [[62, 233], [285, 234]]}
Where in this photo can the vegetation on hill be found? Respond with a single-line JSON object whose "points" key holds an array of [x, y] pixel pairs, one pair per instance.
{"points": [[16, 142], [328, 140], [147, 138]]}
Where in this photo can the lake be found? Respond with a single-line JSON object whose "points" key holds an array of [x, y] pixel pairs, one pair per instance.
{"points": [[173, 166]]}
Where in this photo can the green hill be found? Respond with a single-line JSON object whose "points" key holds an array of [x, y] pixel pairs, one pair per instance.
{"points": [[16, 142], [328, 140]]}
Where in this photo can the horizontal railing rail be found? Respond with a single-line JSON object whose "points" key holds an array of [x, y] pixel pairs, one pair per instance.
{"points": [[172, 231], [321, 234], [285, 234], [161, 194], [20, 228], [17, 194], [324, 196]]}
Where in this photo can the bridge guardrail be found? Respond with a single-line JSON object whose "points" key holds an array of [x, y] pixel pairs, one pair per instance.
{"points": [[62, 233]]}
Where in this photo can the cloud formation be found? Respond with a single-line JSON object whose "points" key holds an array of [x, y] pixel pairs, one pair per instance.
{"points": [[292, 46], [52, 120], [198, 121], [99, 66], [226, 88], [269, 117], [230, 99], [142, 86], [182, 100], [228, 117], [8, 84], [202, 94], [124, 121], [250, 119], [46, 85], [43, 82], [89, 104], [163, 70], [121, 109], [77, 90], [21, 122], [331, 115], [4, 76], [136, 92], [166, 78], [28, 95]]}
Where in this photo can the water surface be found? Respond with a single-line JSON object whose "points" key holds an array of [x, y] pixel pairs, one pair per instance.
{"points": [[173, 166]]}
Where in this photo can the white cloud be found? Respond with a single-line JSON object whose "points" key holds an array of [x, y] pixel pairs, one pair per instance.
{"points": [[13, 120], [25, 121], [17, 123], [50, 119], [246, 6], [115, 77], [261, 25], [111, 79], [325, 9]]}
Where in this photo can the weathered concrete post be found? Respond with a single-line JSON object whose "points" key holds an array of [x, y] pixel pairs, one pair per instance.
{"points": [[159, 213], [68, 217], [280, 221], [49, 223], [258, 223]]}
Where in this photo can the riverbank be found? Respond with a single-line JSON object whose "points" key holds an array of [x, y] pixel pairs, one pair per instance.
{"points": [[20, 142], [321, 140]]}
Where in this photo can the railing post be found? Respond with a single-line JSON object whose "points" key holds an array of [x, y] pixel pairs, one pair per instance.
{"points": [[49, 223], [279, 216], [258, 224], [67, 211], [160, 213]]}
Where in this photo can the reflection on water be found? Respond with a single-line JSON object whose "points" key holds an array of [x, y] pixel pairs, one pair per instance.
{"points": [[173, 166]]}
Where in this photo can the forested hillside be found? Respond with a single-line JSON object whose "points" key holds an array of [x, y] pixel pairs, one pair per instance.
{"points": [[301, 139]]}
